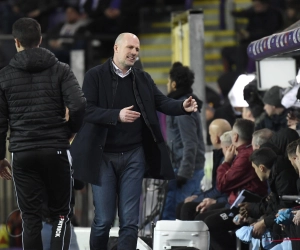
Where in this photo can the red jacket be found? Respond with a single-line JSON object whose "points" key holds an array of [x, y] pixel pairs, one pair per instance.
{"points": [[239, 175]]}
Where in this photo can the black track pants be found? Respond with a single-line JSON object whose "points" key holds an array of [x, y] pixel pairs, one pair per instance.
{"points": [[35, 173]]}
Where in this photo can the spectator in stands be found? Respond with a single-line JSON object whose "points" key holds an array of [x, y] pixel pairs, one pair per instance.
{"points": [[275, 114], [74, 25], [293, 119], [260, 137], [291, 152], [37, 9], [253, 97], [187, 209], [185, 142], [283, 169], [263, 20], [293, 230], [218, 105], [112, 16], [282, 180], [233, 175], [247, 114], [292, 13], [282, 138]]}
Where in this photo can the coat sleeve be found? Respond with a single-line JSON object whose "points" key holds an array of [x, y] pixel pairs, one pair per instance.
{"points": [[286, 185], [256, 210], [94, 113], [3, 124], [188, 133], [165, 104], [231, 177], [73, 98]]}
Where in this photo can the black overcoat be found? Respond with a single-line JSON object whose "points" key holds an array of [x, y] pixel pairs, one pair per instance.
{"points": [[99, 88]]}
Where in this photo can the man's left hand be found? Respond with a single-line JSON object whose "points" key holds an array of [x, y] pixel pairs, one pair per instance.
{"points": [[259, 229], [190, 105], [5, 170], [229, 155]]}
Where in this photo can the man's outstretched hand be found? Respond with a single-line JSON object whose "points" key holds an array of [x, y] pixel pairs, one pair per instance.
{"points": [[190, 105], [5, 170], [128, 115]]}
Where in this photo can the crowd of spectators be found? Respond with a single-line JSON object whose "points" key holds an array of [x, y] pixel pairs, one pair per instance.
{"points": [[105, 16], [264, 18]]}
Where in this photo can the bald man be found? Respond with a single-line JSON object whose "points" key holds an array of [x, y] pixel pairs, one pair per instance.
{"points": [[121, 142], [188, 209]]}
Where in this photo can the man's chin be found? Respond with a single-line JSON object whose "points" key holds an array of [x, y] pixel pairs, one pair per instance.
{"points": [[130, 64]]}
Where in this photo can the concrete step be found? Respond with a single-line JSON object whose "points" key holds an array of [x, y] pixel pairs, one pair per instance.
{"points": [[219, 44], [157, 38], [208, 4], [155, 52], [165, 38], [208, 79], [209, 24], [149, 61]]}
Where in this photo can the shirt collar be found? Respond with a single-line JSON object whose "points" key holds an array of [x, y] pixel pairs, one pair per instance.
{"points": [[119, 72], [244, 146]]}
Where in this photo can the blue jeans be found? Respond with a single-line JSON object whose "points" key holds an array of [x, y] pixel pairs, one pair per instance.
{"points": [[176, 195], [121, 183]]}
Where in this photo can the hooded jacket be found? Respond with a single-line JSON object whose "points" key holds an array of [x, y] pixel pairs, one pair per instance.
{"points": [[35, 89], [185, 139]]}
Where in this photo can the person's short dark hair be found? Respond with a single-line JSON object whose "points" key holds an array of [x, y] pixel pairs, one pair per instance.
{"points": [[292, 147], [74, 7], [27, 31], [182, 75], [263, 156], [244, 129], [253, 97], [262, 136], [270, 145]]}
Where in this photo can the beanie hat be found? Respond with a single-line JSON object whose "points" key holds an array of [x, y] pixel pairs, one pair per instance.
{"points": [[274, 96]]}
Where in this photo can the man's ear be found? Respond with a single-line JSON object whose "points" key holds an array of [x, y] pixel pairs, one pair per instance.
{"points": [[40, 41], [218, 140], [262, 168], [115, 48], [17, 42], [173, 85], [235, 137]]}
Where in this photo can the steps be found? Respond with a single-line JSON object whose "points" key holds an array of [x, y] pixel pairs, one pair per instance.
{"points": [[156, 54]]}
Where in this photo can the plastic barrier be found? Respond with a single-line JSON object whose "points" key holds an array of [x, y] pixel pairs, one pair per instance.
{"points": [[275, 44], [171, 234]]}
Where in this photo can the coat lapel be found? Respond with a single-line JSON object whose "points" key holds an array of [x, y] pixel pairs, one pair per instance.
{"points": [[109, 83]]}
